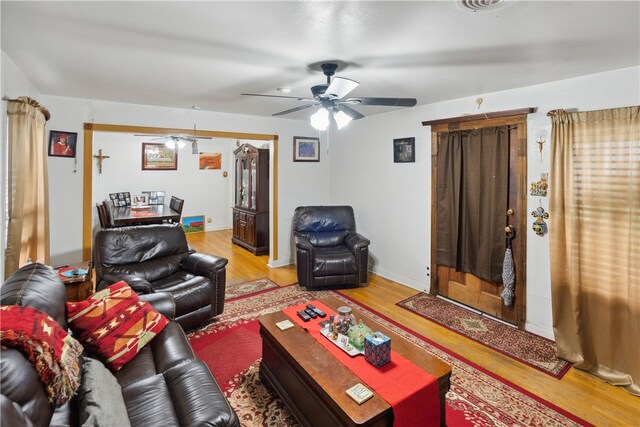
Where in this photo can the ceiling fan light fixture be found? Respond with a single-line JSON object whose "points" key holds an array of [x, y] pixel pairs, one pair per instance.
{"points": [[320, 119], [342, 119]]}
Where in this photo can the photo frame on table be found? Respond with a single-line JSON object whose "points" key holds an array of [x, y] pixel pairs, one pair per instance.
{"points": [[140, 200], [154, 197], [120, 199], [159, 157], [306, 149], [62, 144], [404, 150]]}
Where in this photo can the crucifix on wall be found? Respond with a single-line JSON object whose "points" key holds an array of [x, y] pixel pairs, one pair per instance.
{"points": [[100, 158]]}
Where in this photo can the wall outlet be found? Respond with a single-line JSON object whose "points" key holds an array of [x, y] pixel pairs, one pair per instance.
{"points": [[209, 220]]}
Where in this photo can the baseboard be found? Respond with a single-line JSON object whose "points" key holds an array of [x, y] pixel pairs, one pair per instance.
{"points": [[278, 263], [538, 330], [217, 228], [414, 284]]}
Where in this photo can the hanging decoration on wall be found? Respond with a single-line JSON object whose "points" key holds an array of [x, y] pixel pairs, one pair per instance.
{"points": [[100, 157], [210, 161], [539, 226], [540, 142], [539, 188]]}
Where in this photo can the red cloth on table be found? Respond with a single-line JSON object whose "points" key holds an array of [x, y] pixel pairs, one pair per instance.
{"points": [[411, 392]]}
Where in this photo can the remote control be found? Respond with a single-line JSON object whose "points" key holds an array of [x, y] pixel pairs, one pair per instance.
{"points": [[311, 313], [317, 310], [304, 316]]}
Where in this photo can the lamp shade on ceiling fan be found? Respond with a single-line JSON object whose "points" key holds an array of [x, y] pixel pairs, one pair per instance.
{"points": [[320, 119]]}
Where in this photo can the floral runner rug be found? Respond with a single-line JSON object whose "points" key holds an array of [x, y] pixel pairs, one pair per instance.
{"points": [[523, 346], [239, 288], [231, 347]]}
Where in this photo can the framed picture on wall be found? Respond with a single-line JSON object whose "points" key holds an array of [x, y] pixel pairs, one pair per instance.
{"points": [[306, 149], [159, 157], [404, 150], [62, 144]]}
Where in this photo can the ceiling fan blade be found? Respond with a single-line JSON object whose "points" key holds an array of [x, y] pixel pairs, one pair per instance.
{"points": [[302, 107], [340, 87], [189, 138], [280, 96], [355, 115], [392, 102]]}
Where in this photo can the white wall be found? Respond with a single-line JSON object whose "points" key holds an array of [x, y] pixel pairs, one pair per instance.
{"points": [[299, 183], [392, 201]]}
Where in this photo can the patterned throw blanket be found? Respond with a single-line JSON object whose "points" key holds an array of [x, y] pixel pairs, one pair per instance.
{"points": [[53, 353]]}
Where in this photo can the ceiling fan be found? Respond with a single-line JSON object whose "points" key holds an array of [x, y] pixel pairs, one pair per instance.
{"points": [[330, 97], [173, 140]]}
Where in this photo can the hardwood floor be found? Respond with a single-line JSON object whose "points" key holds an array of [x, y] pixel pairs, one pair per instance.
{"points": [[577, 392]]}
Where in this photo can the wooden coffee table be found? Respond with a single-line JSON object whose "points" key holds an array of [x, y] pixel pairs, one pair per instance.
{"points": [[312, 382]]}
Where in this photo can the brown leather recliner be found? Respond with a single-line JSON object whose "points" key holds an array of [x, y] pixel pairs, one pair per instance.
{"points": [[157, 258], [329, 252]]}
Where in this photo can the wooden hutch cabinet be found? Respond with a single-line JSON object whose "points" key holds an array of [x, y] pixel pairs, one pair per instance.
{"points": [[251, 207]]}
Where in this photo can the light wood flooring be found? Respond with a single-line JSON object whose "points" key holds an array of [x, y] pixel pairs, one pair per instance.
{"points": [[577, 392]]}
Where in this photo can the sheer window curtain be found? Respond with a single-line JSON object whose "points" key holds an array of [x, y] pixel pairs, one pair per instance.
{"points": [[595, 241], [28, 188]]}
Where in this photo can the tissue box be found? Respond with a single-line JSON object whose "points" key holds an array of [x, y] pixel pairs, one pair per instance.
{"points": [[377, 349]]}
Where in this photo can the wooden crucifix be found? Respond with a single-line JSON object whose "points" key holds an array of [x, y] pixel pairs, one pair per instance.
{"points": [[100, 158]]}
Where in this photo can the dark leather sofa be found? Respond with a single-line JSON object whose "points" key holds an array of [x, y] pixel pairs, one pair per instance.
{"points": [[163, 385], [157, 258], [329, 252]]}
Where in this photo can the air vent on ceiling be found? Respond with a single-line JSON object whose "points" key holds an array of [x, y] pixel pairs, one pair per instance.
{"points": [[481, 5]]}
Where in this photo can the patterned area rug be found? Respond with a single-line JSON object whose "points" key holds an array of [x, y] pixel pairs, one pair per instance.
{"points": [[523, 346], [238, 288], [231, 348]]}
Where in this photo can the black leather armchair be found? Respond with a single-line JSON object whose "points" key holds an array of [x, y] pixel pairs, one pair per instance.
{"points": [[329, 252], [157, 258]]}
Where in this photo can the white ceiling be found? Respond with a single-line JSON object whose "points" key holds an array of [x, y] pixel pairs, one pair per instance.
{"points": [[180, 54]]}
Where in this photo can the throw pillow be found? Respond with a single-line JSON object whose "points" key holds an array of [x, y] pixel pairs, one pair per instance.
{"points": [[113, 324], [100, 397]]}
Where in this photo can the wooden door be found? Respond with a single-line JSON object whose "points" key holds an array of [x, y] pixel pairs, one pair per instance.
{"points": [[466, 288]]}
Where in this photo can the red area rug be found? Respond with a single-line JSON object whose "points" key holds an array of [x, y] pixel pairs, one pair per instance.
{"points": [[477, 397], [523, 346]]}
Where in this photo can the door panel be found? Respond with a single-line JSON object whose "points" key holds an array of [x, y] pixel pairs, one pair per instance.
{"points": [[468, 289]]}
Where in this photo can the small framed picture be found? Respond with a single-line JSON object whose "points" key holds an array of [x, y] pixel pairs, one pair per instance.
{"points": [[306, 149], [404, 150], [62, 144], [159, 157]]}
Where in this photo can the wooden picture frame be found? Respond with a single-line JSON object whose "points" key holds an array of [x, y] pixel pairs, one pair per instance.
{"points": [[62, 144], [306, 149], [404, 150], [159, 157]]}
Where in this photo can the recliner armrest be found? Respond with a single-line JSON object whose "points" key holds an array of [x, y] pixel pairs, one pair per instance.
{"points": [[204, 264], [356, 241], [303, 242], [138, 284], [162, 302]]}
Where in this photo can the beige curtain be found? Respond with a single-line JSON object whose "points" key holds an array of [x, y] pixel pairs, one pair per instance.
{"points": [[28, 233], [595, 241]]}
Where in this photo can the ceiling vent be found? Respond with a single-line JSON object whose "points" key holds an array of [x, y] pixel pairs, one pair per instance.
{"points": [[482, 5]]}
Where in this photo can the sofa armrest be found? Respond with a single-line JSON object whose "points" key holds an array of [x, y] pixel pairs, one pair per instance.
{"points": [[162, 302], [356, 242], [138, 284], [203, 264]]}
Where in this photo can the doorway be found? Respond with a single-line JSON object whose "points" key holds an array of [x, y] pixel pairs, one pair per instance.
{"points": [[456, 280], [89, 163]]}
